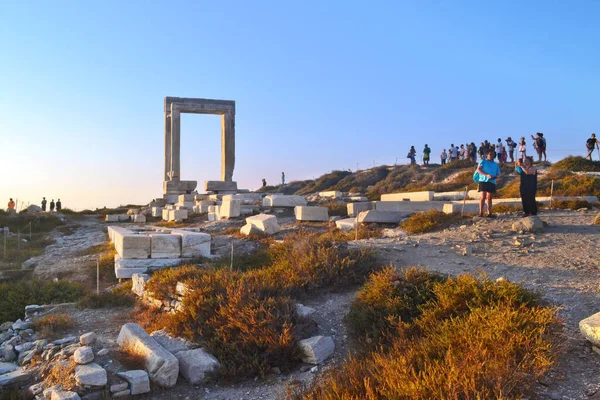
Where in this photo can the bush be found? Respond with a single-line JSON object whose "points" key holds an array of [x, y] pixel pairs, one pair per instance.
{"points": [[576, 164], [466, 338], [428, 221], [246, 318], [14, 296], [570, 204], [106, 300], [337, 209], [324, 182], [51, 325], [459, 164]]}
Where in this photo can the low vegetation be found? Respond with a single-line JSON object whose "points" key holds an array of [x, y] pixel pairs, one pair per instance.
{"points": [[52, 325], [576, 164], [428, 221], [336, 209], [246, 317], [14, 296], [426, 337]]}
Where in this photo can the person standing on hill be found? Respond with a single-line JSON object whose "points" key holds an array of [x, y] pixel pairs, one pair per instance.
{"points": [[264, 182], [52, 205], [443, 157], [528, 186], [481, 151], [486, 174], [522, 149], [452, 152], [11, 204], [511, 145], [282, 178], [426, 153], [590, 144], [412, 154], [58, 205], [44, 202]]}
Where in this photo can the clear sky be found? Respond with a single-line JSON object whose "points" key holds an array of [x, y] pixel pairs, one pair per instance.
{"points": [[318, 85]]}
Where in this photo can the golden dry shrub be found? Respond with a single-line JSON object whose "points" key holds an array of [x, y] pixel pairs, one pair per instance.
{"points": [[428, 221], [473, 339], [52, 325]]}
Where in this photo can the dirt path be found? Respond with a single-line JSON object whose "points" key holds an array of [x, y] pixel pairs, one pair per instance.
{"points": [[65, 258]]}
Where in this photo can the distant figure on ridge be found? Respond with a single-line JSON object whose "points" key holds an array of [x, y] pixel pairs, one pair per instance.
{"points": [[11, 204], [522, 149], [58, 205], [511, 145], [52, 205], [426, 153], [264, 182], [486, 174], [540, 145], [283, 178], [590, 144], [528, 186], [443, 157], [44, 202], [453, 152], [412, 154]]}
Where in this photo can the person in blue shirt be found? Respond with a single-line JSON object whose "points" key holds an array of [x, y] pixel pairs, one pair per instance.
{"points": [[488, 172]]}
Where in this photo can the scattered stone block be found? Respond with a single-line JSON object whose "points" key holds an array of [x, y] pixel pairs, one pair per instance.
{"points": [[126, 268], [83, 355], [138, 285], [111, 218], [139, 219], [124, 217], [91, 375], [122, 393], [590, 328], [316, 349], [165, 245], [175, 188], [161, 365], [333, 194], [175, 215], [230, 209], [304, 311], [249, 209], [383, 217], [138, 381], [102, 352], [129, 244], [172, 344], [346, 224], [201, 207], [157, 212], [133, 211], [220, 186], [64, 395], [19, 325], [266, 224], [284, 201], [408, 196], [451, 196], [529, 224], [160, 202], [165, 214], [6, 367], [194, 244], [408, 205], [183, 198], [306, 213], [118, 387], [356, 208], [194, 365], [250, 230], [17, 376]]}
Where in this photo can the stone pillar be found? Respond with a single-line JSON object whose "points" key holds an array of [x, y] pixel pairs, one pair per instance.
{"points": [[227, 146], [167, 142], [175, 172]]}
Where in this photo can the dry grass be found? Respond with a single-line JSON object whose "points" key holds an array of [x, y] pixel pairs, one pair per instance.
{"points": [[428, 221], [246, 318], [130, 358], [461, 338], [336, 208], [572, 164], [506, 208], [570, 204], [52, 325], [60, 373]]}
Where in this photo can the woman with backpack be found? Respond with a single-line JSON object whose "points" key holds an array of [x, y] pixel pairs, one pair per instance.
{"points": [[485, 176], [528, 186]]}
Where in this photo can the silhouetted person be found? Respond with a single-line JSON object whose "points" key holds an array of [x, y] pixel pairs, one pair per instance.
{"points": [[282, 178], [412, 154], [58, 205], [44, 202], [52, 205], [426, 152], [11, 204], [590, 144], [264, 182]]}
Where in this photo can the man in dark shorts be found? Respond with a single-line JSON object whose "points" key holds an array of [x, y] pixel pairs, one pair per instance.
{"points": [[487, 171], [590, 144]]}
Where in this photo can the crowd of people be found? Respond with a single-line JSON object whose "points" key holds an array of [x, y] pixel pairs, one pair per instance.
{"points": [[503, 151], [53, 205]]}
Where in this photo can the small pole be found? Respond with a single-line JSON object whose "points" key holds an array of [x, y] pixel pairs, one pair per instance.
{"points": [[98, 275], [462, 213], [231, 264], [551, 192]]}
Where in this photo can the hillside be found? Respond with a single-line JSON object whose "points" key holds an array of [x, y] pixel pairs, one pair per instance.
{"points": [[573, 176]]}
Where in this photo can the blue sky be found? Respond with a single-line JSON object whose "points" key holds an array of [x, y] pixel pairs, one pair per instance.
{"points": [[318, 86]]}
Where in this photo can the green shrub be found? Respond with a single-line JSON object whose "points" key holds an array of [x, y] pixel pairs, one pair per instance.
{"points": [[117, 298], [459, 164], [428, 221], [337, 209], [576, 164], [14, 296], [468, 339]]}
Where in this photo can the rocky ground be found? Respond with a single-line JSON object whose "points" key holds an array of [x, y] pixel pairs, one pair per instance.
{"points": [[561, 262]]}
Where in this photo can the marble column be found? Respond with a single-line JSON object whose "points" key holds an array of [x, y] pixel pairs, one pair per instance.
{"points": [[227, 145], [175, 171]]}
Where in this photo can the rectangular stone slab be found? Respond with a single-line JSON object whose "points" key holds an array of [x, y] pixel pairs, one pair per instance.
{"points": [[306, 213], [218, 186], [230, 208], [383, 217], [346, 224], [264, 223], [130, 245], [165, 246], [193, 244], [356, 208], [284, 201], [411, 196], [408, 205]]}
